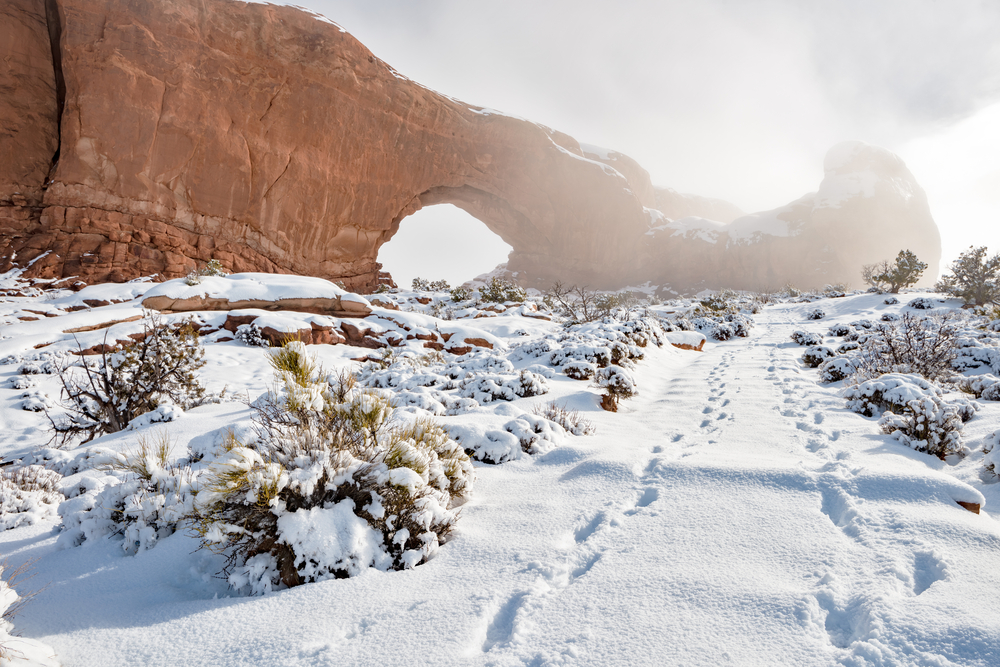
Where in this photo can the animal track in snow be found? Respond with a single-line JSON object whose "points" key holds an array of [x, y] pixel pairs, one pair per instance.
{"points": [[584, 533], [927, 569]]}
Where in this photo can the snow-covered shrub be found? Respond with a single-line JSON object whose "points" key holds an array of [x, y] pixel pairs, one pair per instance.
{"points": [[891, 301], [806, 338], [816, 355], [537, 435], [815, 314], [986, 387], [927, 424], [28, 494], [922, 345], [891, 391], [499, 290], [486, 388], [35, 400], [459, 294], [330, 485], [104, 395], [150, 498], [892, 276], [212, 268], [992, 456], [922, 303], [20, 382], [599, 355], [889, 317], [967, 358], [840, 329], [579, 370], [846, 347], [531, 349], [723, 301], [836, 369], [741, 324], [713, 328], [617, 383], [570, 420], [250, 334]]}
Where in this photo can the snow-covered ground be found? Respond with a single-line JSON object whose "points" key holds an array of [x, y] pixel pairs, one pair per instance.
{"points": [[734, 512]]}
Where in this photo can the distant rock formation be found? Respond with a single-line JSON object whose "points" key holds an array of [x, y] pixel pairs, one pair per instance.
{"points": [[868, 208], [148, 136]]}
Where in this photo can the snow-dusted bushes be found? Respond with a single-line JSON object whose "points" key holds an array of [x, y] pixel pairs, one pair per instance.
{"points": [[487, 388], [212, 268], [27, 495], [570, 420], [329, 485], [104, 395], [922, 345], [815, 314], [816, 355], [840, 329], [973, 278], [618, 385], [250, 334], [986, 387], [147, 501], [991, 458], [914, 411], [836, 369], [499, 290], [579, 370], [922, 303], [806, 338]]}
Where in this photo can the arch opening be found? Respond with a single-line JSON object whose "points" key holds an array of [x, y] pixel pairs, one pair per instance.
{"points": [[442, 242]]}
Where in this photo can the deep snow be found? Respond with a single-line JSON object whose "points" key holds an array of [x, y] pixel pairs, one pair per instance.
{"points": [[734, 512]]}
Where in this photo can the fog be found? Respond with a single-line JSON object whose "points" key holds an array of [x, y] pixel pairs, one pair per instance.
{"points": [[736, 100]]}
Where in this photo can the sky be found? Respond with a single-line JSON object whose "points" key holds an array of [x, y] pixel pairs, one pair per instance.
{"points": [[735, 99]]}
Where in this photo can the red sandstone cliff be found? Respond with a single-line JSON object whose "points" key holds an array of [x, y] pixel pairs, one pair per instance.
{"points": [[144, 137]]}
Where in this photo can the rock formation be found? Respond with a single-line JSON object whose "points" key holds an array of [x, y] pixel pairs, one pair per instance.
{"points": [[868, 208], [145, 137]]}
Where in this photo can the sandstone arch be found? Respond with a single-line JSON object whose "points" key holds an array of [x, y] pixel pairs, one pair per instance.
{"points": [[152, 135]]}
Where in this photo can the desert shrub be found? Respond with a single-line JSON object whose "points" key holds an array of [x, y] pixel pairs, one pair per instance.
{"points": [[923, 303], [836, 369], [598, 355], [212, 268], [489, 387], [922, 345], [151, 498], [991, 458], [721, 302], [500, 290], [250, 334], [580, 305], [890, 392], [816, 355], [903, 272], [840, 329], [536, 435], [459, 294], [974, 278], [28, 494], [420, 285], [986, 387], [889, 317], [330, 485], [847, 346], [579, 370], [103, 396], [618, 385], [815, 314], [570, 420], [926, 424], [891, 301], [806, 338]]}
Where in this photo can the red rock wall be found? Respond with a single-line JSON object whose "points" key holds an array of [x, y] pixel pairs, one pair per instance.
{"points": [[272, 140]]}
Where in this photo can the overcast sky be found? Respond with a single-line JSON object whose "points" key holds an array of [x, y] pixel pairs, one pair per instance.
{"points": [[735, 99]]}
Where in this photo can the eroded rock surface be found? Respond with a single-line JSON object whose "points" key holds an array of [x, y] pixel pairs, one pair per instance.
{"points": [[160, 134]]}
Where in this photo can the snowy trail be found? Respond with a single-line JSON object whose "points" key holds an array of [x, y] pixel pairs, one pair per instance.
{"points": [[733, 513]]}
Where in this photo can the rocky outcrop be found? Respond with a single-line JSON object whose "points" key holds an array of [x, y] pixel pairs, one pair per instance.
{"points": [[150, 136], [868, 208], [272, 140]]}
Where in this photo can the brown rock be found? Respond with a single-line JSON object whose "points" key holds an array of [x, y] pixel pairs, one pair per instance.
{"points": [[278, 338], [96, 303], [479, 342], [687, 346], [972, 507], [459, 350], [190, 130]]}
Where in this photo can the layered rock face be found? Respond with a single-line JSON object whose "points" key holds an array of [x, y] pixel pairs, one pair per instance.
{"points": [[272, 140], [145, 137]]}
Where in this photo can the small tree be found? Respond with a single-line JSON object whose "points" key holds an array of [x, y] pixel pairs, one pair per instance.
{"points": [[974, 279], [129, 380], [904, 272]]}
